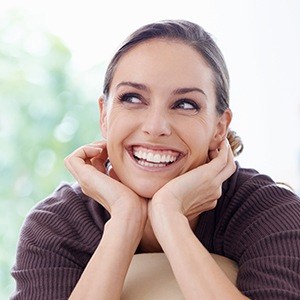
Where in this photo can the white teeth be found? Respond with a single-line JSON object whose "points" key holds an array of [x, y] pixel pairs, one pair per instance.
{"points": [[148, 164], [150, 157], [156, 158], [143, 155]]}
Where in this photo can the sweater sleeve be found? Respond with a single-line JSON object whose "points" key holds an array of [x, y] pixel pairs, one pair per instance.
{"points": [[262, 233], [56, 242]]}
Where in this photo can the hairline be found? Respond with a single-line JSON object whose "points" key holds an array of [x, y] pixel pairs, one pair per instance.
{"points": [[130, 46]]}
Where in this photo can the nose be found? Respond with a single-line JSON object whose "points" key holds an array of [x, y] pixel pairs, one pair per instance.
{"points": [[156, 123]]}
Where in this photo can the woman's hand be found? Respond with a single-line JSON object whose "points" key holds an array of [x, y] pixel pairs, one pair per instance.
{"points": [[173, 211], [87, 165], [199, 189], [104, 275]]}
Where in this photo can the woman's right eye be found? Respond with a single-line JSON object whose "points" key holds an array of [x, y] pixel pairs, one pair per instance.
{"points": [[130, 98]]}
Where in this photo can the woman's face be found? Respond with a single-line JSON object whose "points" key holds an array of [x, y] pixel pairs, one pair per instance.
{"points": [[160, 120]]}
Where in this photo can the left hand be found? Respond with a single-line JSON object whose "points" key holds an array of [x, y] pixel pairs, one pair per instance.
{"points": [[173, 213], [197, 190]]}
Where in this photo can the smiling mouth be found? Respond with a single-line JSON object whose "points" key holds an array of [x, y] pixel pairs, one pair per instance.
{"points": [[154, 158]]}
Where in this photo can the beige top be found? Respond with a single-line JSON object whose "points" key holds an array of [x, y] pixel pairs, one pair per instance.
{"points": [[150, 277]]}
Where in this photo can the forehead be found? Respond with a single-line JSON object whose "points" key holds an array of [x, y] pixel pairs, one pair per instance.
{"points": [[167, 61]]}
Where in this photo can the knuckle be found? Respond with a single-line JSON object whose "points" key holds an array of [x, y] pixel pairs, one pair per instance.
{"points": [[218, 193], [233, 166], [212, 204]]}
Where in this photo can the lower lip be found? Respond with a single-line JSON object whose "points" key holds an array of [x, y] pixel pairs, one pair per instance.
{"points": [[149, 167]]}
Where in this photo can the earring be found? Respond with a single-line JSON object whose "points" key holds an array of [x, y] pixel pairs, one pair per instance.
{"points": [[108, 166]]}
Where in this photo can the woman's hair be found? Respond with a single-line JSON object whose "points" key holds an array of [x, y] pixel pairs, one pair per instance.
{"points": [[196, 37]]}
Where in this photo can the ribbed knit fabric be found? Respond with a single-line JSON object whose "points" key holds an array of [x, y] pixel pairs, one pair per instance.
{"points": [[256, 223]]}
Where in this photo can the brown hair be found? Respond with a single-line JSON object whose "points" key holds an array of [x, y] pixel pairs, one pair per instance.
{"points": [[196, 37]]}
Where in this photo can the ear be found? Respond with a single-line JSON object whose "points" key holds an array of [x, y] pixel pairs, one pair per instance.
{"points": [[103, 116], [221, 129]]}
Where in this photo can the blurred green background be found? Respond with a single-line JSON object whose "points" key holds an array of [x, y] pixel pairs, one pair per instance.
{"points": [[47, 110]]}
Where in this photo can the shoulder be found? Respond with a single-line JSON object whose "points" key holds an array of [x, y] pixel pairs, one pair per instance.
{"points": [[255, 212], [249, 199], [259, 227], [56, 241], [249, 185], [63, 195], [65, 215], [68, 202], [254, 207]]}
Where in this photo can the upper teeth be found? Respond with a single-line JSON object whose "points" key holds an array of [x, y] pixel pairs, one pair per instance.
{"points": [[155, 157]]}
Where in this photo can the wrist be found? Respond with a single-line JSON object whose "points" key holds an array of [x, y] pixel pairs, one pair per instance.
{"points": [[126, 231], [129, 214], [164, 222], [131, 208]]}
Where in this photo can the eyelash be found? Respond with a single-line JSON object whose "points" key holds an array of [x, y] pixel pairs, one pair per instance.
{"points": [[190, 102], [126, 97]]}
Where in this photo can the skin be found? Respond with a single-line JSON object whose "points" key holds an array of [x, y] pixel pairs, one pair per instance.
{"points": [[163, 82], [152, 122]]}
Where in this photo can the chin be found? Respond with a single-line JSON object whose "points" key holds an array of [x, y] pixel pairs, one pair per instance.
{"points": [[144, 189], [147, 192]]}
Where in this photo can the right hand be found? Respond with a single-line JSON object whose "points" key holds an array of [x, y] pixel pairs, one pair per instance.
{"points": [[123, 230], [86, 164]]}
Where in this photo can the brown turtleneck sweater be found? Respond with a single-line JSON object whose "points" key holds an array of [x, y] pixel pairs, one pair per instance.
{"points": [[256, 223]]}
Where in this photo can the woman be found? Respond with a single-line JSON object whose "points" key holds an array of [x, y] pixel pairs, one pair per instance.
{"points": [[163, 180]]}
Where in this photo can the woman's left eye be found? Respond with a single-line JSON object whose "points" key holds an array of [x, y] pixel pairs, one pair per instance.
{"points": [[186, 105]]}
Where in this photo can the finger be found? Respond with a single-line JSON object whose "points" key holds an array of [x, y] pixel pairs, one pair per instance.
{"points": [[99, 144], [83, 156], [215, 171], [85, 153], [99, 160], [88, 177], [91, 151], [78, 158], [212, 154], [225, 157], [219, 158]]}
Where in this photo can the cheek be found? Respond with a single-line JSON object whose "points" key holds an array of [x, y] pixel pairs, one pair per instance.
{"points": [[197, 139], [202, 157], [118, 123], [199, 155], [119, 127]]}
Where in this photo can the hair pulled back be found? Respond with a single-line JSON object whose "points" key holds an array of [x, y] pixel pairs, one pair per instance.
{"points": [[195, 36]]}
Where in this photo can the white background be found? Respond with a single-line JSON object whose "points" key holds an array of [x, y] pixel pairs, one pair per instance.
{"points": [[260, 40]]}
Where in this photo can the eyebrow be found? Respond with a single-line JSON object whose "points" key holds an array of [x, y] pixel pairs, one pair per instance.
{"points": [[182, 91], [179, 91], [136, 85]]}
